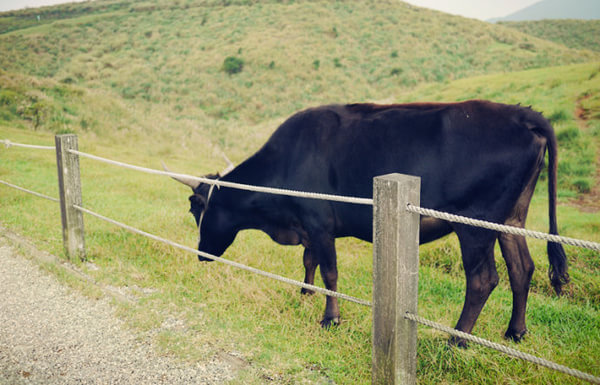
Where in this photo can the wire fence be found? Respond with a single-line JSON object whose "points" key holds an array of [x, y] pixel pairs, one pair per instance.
{"points": [[239, 186], [337, 198], [226, 261], [8, 144]]}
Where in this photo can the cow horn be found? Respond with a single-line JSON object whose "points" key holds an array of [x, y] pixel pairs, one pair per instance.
{"points": [[230, 166], [186, 181]]}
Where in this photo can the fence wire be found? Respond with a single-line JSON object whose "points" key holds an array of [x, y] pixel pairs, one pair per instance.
{"points": [[29, 191], [7, 143], [503, 228], [226, 261], [504, 349], [240, 186]]}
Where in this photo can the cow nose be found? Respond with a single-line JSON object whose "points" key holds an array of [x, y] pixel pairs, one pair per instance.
{"points": [[203, 259]]}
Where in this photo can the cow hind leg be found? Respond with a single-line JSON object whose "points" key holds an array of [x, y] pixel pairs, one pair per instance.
{"points": [[310, 266], [520, 269], [518, 260], [477, 248]]}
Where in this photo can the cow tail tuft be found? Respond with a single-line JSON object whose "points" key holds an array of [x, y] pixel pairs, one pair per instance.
{"points": [[558, 266], [558, 270]]}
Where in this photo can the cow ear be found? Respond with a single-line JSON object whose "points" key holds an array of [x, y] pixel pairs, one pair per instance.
{"points": [[197, 203]]}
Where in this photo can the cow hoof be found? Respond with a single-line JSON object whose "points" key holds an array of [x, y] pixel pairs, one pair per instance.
{"points": [[327, 322], [515, 335], [458, 342], [304, 291]]}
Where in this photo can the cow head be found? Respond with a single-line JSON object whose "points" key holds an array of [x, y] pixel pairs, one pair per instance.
{"points": [[215, 227]]}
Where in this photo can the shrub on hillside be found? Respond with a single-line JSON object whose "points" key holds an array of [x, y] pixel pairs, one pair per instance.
{"points": [[233, 65]]}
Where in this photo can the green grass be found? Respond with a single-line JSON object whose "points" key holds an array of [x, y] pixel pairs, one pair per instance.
{"points": [[143, 82], [271, 325], [581, 34]]}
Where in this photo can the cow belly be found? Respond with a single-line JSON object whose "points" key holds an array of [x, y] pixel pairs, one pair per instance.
{"points": [[432, 229]]}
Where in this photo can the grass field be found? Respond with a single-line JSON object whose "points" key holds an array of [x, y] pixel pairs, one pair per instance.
{"points": [[270, 325], [190, 109]]}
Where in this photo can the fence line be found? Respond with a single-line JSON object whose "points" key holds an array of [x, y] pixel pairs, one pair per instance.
{"points": [[504, 349], [29, 191], [9, 144], [226, 261], [346, 199], [503, 228], [240, 186], [206, 255], [355, 200]]}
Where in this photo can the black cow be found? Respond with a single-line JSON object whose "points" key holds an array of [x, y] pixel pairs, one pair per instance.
{"points": [[476, 158]]}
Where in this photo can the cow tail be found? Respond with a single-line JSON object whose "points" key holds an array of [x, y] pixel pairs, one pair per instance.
{"points": [[557, 271]]}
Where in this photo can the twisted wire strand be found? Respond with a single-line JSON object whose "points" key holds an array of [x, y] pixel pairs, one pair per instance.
{"points": [[504, 349], [29, 191], [503, 228], [226, 261], [221, 183], [9, 144]]}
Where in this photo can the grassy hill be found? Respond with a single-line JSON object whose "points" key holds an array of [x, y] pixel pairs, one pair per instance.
{"points": [[578, 34], [295, 55], [145, 81]]}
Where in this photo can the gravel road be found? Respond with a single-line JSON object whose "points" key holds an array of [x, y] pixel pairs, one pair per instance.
{"points": [[52, 335]]}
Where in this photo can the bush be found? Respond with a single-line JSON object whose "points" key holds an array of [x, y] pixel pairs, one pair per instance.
{"points": [[559, 116], [583, 185], [568, 135], [8, 97], [233, 65]]}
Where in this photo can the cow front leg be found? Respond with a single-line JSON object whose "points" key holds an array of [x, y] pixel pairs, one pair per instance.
{"points": [[324, 253], [481, 276], [310, 266], [332, 309]]}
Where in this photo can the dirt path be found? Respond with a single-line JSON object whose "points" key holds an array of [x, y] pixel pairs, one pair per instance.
{"points": [[51, 335], [590, 201]]}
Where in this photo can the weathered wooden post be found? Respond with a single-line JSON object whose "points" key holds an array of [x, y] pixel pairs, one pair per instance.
{"points": [[395, 278], [69, 186]]}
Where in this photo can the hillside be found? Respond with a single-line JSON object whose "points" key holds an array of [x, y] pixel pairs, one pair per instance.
{"points": [[578, 34], [169, 56], [556, 9]]}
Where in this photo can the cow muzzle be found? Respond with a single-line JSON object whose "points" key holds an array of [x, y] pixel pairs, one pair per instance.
{"points": [[204, 259]]}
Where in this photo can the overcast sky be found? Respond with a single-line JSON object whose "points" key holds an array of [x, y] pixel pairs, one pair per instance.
{"points": [[478, 9]]}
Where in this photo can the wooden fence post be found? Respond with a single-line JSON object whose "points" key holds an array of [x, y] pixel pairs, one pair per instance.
{"points": [[69, 185], [395, 278]]}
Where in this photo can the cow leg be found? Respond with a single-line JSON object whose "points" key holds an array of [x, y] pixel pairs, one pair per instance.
{"points": [[310, 266], [323, 251], [518, 261], [520, 269], [477, 248]]}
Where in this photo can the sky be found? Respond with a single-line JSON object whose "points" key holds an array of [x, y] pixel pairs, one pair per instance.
{"points": [[477, 9], [9, 5]]}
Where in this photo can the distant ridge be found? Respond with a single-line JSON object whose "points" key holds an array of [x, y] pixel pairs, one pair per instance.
{"points": [[556, 9]]}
